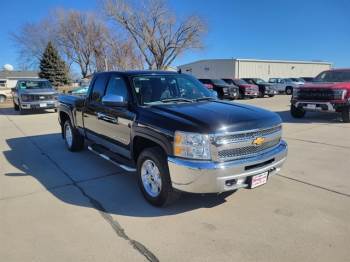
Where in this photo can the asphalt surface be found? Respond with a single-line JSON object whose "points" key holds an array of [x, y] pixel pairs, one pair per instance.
{"points": [[61, 206]]}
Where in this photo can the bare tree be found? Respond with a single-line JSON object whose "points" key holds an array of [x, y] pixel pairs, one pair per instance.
{"points": [[83, 36], [31, 40], [155, 30]]}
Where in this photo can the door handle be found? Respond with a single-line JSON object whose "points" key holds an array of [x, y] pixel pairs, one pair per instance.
{"points": [[106, 118]]}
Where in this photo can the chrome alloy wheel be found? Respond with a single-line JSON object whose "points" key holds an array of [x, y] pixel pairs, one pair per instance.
{"points": [[68, 135], [151, 179]]}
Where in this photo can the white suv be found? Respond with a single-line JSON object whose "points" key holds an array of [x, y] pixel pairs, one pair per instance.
{"points": [[5, 93]]}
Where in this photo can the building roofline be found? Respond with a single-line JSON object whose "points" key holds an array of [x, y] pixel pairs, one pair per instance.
{"points": [[261, 60]]}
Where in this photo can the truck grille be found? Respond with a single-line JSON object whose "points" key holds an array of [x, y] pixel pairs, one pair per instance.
{"points": [[318, 94], [240, 145], [40, 97]]}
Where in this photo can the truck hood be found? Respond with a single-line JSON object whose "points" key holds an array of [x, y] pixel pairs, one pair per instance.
{"points": [[210, 117], [327, 85], [39, 91]]}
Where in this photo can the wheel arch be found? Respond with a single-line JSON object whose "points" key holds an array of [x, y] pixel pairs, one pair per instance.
{"points": [[143, 141]]}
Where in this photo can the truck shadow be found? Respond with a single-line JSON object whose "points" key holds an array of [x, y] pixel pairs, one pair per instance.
{"points": [[9, 111], [310, 118], [61, 172]]}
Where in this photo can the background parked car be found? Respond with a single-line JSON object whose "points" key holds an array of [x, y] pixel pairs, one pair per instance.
{"points": [[81, 91], [34, 94], [286, 84], [5, 93], [223, 89], [265, 88], [245, 89]]}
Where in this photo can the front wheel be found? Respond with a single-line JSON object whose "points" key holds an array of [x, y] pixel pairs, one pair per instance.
{"points": [[15, 106], [154, 178], [261, 94], [289, 90], [345, 115], [74, 141], [297, 112], [271, 95]]}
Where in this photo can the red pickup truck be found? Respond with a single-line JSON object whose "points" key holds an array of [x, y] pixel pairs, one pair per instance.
{"points": [[329, 92]]}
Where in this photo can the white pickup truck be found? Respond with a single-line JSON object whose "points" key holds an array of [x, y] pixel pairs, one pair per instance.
{"points": [[5, 93]]}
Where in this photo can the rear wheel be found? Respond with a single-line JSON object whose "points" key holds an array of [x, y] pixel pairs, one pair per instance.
{"points": [[154, 178], [74, 141], [297, 112], [271, 95], [345, 115], [289, 90]]}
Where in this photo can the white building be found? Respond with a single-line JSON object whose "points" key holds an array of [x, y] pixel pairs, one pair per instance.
{"points": [[265, 69], [8, 79]]}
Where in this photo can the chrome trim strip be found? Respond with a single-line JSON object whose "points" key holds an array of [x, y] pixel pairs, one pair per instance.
{"points": [[126, 168]]}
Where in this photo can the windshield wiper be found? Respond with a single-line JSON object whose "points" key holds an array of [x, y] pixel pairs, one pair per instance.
{"points": [[176, 100], [205, 98]]}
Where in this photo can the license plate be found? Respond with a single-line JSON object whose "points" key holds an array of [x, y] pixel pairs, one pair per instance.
{"points": [[259, 180], [234, 94], [311, 106], [42, 105]]}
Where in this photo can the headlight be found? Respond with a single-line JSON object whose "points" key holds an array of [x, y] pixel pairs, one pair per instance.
{"points": [[25, 98], [340, 94], [192, 145]]}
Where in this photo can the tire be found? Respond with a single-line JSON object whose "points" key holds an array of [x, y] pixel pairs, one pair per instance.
{"points": [[2, 99], [74, 141], [345, 115], [289, 90], [297, 112], [15, 106], [152, 169], [261, 93], [271, 95]]}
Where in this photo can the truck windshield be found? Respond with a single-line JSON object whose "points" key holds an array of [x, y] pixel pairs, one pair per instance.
{"points": [[333, 76], [34, 84], [169, 89]]}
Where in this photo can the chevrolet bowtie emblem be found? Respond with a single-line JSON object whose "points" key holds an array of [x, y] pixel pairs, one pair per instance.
{"points": [[258, 141]]}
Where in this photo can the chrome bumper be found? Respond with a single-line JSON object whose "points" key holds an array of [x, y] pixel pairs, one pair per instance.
{"points": [[39, 105], [214, 177]]}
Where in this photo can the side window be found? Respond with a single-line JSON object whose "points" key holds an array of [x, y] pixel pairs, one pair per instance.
{"points": [[117, 86], [98, 88]]}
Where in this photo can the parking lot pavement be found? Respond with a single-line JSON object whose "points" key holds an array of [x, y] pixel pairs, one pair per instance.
{"points": [[62, 206]]}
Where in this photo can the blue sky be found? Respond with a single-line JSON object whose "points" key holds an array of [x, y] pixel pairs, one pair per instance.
{"points": [[271, 29]]}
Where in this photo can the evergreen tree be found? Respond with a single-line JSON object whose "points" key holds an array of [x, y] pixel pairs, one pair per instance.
{"points": [[52, 67]]}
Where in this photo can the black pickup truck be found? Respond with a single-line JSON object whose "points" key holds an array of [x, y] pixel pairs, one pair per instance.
{"points": [[168, 128]]}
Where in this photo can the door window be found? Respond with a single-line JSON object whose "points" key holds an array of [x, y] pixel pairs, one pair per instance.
{"points": [[117, 86], [99, 87]]}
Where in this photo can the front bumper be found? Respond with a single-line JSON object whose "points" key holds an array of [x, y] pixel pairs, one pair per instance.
{"points": [[321, 106], [39, 105], [214, 177], [271, 92]]}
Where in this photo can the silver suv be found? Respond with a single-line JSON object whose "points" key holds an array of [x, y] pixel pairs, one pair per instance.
{"points": [[34, 94], [286, 84]]}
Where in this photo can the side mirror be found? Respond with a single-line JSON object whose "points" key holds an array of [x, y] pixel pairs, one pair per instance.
{"points": [[114, 101]]}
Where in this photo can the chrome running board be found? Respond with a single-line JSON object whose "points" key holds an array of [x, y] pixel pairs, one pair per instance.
{"points": [[125, 167]]}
